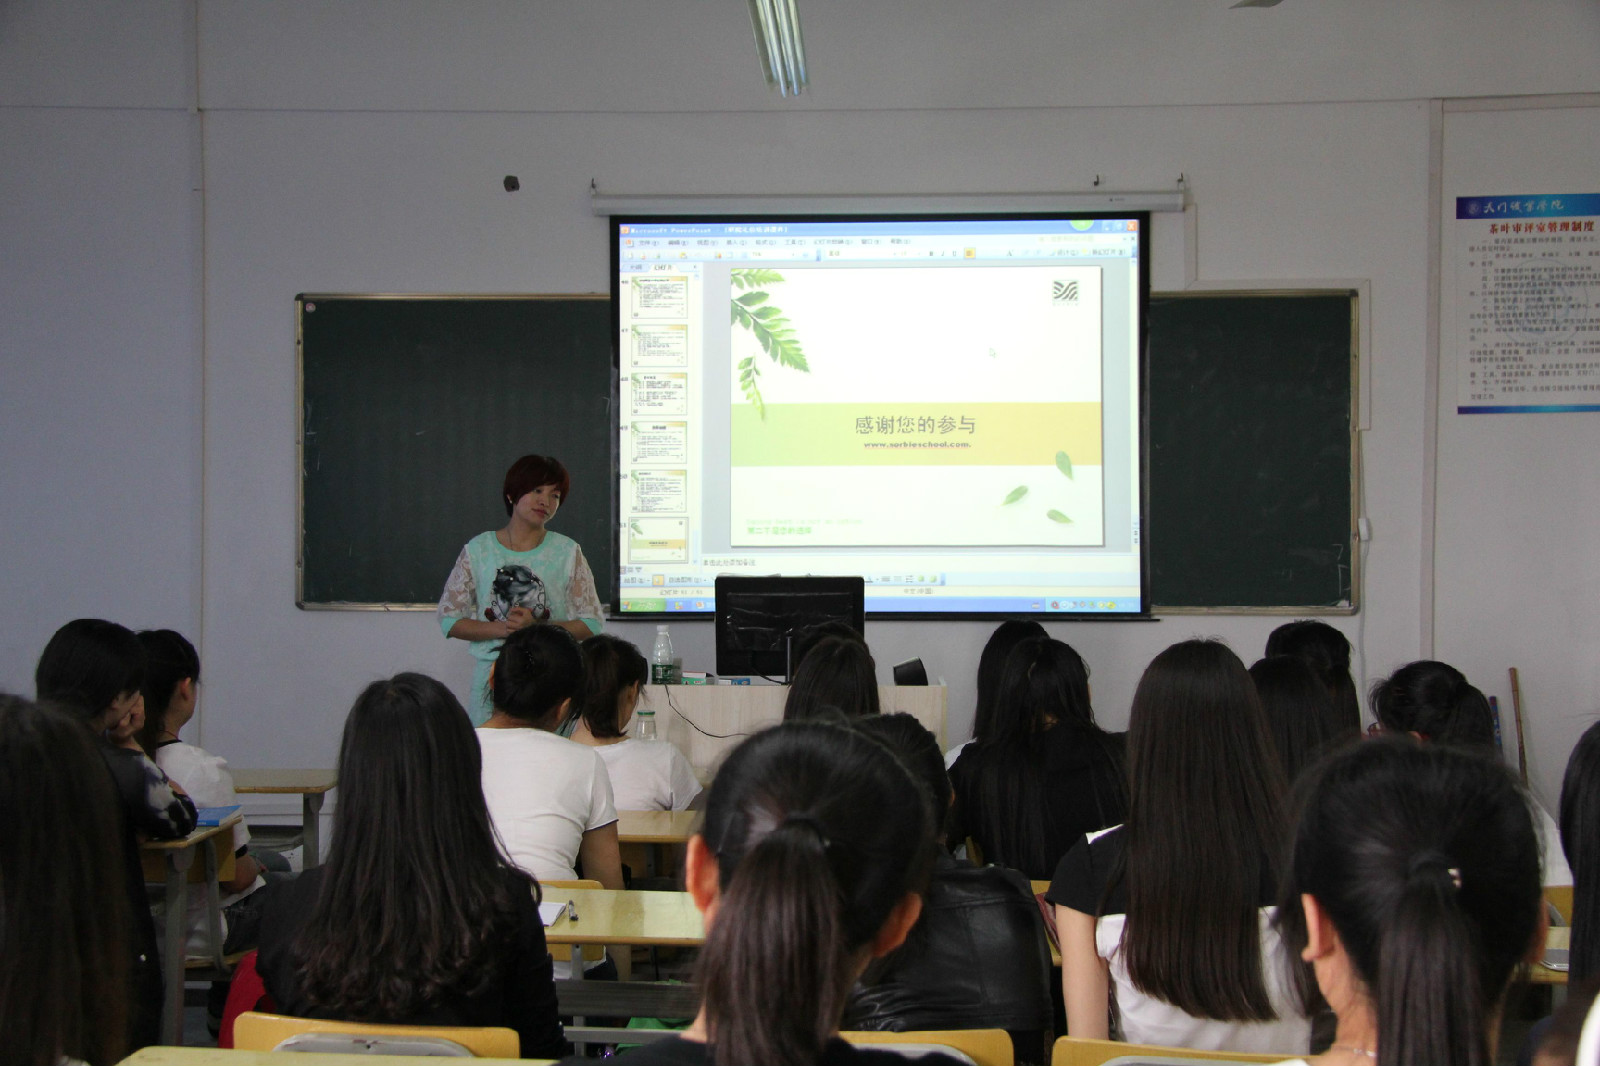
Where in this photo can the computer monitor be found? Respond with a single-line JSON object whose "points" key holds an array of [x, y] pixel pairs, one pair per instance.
{"points": [[760, 620]]}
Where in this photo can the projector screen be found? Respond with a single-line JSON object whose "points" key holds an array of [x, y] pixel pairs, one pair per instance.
{"points": [[949, 407]]}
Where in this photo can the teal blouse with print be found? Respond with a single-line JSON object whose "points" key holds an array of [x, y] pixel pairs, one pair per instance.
{"points": [[553, 581]]}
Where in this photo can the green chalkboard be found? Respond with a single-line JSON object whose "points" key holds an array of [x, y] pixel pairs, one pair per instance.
{"points": [[412, 408], [1251, 502]]}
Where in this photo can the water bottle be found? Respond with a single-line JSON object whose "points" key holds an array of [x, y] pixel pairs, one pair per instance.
{"points": [[647, 724], [662, 668]]}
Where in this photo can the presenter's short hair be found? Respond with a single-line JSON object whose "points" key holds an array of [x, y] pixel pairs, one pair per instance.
{"points": [[530, 472]]}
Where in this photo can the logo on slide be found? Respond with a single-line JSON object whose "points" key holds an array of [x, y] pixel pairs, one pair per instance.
{"points": [[1064, 292]]}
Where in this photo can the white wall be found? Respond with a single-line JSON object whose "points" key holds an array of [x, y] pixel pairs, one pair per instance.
{"points": [[360, 146]]}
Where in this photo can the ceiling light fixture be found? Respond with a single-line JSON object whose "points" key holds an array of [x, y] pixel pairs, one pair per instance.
{"points": [[776, 24]]}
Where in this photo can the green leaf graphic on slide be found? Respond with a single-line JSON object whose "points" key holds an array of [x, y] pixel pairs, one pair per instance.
{"points": [[636, 528], [1014, 495], [771, 330], [1057, 516], [1064, 464]]}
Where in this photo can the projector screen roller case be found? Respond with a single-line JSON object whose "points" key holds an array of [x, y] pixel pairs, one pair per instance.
{"points": [[949, 408]]}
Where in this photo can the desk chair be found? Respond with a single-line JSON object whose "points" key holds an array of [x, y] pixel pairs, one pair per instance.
{"points": [[983, 1047], [1560, 899], [253, 1031], [1075, 1051]]}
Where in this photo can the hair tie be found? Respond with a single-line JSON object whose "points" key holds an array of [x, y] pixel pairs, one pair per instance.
{"points": [[1434, 864], [808, 821]]}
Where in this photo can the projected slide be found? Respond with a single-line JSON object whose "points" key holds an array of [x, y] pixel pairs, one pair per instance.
{"points": [[949, 408]]}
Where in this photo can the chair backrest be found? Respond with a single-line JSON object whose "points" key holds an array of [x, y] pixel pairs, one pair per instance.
{"points": [[591, 952], [1074, 1051], [985, 1047], [254, 1031], [1560, 897]]}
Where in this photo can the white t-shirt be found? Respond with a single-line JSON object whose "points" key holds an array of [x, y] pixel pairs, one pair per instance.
{"points": [[206, 779], [1556, 870], [649, 775], [544, 792], [1148, 1020]]}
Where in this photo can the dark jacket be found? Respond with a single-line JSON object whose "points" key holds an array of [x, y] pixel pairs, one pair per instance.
{"points": [[976, 959]]}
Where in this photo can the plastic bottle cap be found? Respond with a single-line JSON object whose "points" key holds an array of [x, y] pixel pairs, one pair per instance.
{"points": [[661, 629]]}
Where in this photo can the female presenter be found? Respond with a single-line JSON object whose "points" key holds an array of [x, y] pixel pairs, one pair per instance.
{"points": [[519, 575]]}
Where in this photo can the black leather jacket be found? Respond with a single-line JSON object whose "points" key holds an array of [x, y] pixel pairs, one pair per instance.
{"points": [[976, 959]]}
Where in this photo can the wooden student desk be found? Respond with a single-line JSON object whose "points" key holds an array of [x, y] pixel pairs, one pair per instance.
{"points": [[178, 857], [210, 1056], [651, 839], [312, 785]]}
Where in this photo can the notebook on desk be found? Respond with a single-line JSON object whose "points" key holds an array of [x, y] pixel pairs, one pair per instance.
{"points": [[210, 816]]}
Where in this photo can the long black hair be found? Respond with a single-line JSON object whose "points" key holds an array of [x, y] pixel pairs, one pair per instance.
{"points": [[1327, 652], [87, 665], [837, 672], [417, 898], [169, 660], [1044, 685], [818, 833], [1006, 636], [611, 666], [1426, 861], [1435, 701], [1580, 840], [63, 981], [1205, 824], [1299, 711]]}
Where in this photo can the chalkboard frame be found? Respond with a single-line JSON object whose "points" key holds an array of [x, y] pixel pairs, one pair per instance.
{"points": [[1353, 605], [300, 301]]}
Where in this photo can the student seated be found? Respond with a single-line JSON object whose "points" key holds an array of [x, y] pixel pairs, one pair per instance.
{"points": [[815, 847], [978, 957], [1171, 913], [1413, 891], [646, 775], [1327, 652], [171, 693], [550, 799], [416, 916], [63, 937], [1580, 841], [837, 676], [1045, 773], [1006, 635], [1433, 701], [94, 669], [1299, 712]]}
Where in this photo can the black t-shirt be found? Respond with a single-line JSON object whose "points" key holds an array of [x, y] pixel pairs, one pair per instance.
{"points": [[1088, 878], [523, 997], [676, 1051]]}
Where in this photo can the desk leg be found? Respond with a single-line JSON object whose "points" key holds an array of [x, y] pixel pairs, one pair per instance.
{"points": [[311, 830], [579, 1047], [214, 903], [178, 863]]}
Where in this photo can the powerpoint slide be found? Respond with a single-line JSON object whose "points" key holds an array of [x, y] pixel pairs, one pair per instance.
{"points": [[941, 407], [659, 394], [660, 491], [659, 442], [660, 345], [660, 296], [658, 540]]}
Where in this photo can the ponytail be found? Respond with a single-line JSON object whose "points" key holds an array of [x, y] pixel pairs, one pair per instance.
{"points": [[1425, 860], [169, 659], [1428, 989], [610, 666], [775, 961], [538, 667], [818, 833]]}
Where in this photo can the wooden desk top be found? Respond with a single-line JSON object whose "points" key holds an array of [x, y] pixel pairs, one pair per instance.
{"points": [[608, 916], [1540, 974], [299, 781], [210, 1056], [204, 832], [655, 827]]}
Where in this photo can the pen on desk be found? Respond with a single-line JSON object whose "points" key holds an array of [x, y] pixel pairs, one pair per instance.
{"points": [[572, 910]]}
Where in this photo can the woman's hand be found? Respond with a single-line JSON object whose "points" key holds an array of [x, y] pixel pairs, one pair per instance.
{"points": [[518, 618]]}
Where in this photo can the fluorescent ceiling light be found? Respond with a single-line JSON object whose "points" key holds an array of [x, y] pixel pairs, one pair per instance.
{"points": [[776, 24]]}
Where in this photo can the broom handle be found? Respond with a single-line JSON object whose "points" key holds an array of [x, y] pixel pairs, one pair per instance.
{"points": [[1516, 713]]}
